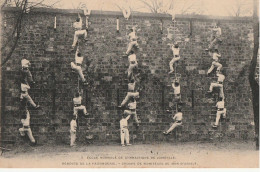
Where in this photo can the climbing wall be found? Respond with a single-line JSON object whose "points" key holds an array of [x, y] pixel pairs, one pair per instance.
{"points": [[48, 51]]}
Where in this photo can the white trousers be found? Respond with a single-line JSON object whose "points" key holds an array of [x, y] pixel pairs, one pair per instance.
{"points": [[72, 138], [174, 125], [219, 113], [133, 112], [77, 34], [28, 131], [124, 133], [217, 85], [130, 46], [79, 70], [77, 109], [128, 96], [28, 98], [213, 65], [173, 61]]}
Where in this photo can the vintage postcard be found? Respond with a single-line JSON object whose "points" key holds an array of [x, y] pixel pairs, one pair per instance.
{"points": [[129, 84]]}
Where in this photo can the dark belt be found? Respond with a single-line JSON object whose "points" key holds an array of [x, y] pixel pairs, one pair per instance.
{"points": [[178, 121], [24, 92], [177, 94], [25, 68], [132, 91], [78, 64], [176, 55], [26, 126], [126, 127], [220, 109], [77, 105], [220, 82], [132, 62]]}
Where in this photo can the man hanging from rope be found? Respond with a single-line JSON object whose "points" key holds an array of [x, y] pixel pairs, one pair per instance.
{"points": [[176, 56], [218, 84], [215, 55], [215, 37]]}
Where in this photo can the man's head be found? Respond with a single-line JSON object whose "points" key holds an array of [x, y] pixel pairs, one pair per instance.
{"points": [[216, 50], [176, 83], [132, 81], [220, 99], [131, 30], [78, 19], [131, 52], [176, 45], [179, 109], [79, 54], [77, 94]]}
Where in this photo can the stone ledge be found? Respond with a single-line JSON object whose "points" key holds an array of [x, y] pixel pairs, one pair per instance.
{"points": [[135, 14]]}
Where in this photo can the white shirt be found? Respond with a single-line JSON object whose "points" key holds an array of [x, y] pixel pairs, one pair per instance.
{"points": [[78, 59], [132, 105], [123, 122], [25, 87], [220, 105], [131, 86], [178, 116], [77, 25], [77, 100], [221, 77], [132, 36], [215, 56], [217, 31], [176, 51], [73, 125], [132, 58], [26, 121], [25, 63], [177, 90]]}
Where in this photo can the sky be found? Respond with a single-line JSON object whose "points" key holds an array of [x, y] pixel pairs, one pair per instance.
{"points": [[204, 7]]}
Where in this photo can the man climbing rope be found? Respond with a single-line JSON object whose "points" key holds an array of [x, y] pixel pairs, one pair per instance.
{"points": [[25, 96], [26, 73], [132, 93], [77, 66], [78, 30], [176, 56], [176, 89], [215, 55], [221, 111], [132, 110], [26, 126], [78, 106], [218, 84], [177, 122], [132, 64], [133, 40]]}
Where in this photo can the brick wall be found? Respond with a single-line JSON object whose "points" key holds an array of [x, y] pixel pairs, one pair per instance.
{"points": [[48, 51]]}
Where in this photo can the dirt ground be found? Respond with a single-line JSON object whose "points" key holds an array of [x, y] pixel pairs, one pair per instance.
{"points": [[195, 155]]}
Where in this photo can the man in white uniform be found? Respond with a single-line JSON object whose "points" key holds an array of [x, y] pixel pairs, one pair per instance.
{"points": [[132, 64], [133, 40], [77, 66], [215, 37], [218, 84], [215, 55], [132, 93], [78, 106], [25, 96], [176, 57], [26, 126], [177, 122], [124, 133], [26, 73], [221, 111], [78, 31], [177, 89]]}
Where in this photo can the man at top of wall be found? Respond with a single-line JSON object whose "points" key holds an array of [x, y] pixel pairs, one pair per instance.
{"points": [[215, 37], [77, 25], [133, 40]]}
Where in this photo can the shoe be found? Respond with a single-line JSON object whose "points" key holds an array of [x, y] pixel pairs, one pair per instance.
{"points": [[85, 83], [214, 126], [170, 72], [165, 133], [206, 49], [128, 144], [123, 145]]}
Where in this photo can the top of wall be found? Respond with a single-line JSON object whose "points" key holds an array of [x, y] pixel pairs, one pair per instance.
{"points": [[139, 14]]}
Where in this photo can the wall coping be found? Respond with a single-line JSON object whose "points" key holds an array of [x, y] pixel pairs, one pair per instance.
{"points": [[135, 14]]}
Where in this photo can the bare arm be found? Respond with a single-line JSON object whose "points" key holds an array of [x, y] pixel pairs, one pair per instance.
{"points": [[127, 118]]}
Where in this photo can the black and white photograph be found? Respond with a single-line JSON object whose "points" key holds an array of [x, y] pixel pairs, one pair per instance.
{"points": [[129, 84]]}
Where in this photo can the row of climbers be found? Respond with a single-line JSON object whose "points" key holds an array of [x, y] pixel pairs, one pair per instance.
{"points": [[214, 53]]}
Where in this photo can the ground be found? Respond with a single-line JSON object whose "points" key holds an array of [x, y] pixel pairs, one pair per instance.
{"points": [[190, 154]]}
